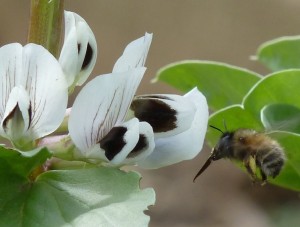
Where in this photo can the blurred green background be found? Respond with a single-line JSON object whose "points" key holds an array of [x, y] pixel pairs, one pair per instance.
{"points": [[227, 31]]}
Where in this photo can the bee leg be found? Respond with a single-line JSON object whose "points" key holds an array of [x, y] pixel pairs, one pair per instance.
{"points": [[250, 165], [263, 177]]}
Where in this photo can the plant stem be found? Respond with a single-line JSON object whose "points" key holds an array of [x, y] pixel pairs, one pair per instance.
{"points": [[45, 28]]}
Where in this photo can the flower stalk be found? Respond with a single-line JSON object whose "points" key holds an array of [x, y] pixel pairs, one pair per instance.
{"points": [[45, 27]]}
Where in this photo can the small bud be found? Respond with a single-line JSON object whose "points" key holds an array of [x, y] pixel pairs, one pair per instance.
{"points": [[79, 52]]}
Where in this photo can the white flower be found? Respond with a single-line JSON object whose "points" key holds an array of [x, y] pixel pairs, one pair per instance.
{"points": [[159, 130], [79, 51], [179, 124], [97, 125], [33, 93]]}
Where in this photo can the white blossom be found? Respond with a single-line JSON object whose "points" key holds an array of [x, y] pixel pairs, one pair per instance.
{"points": [[97, 121], [33, 93]]}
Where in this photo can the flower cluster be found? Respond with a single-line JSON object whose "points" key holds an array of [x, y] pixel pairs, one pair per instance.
{"points": [[107, 122]]}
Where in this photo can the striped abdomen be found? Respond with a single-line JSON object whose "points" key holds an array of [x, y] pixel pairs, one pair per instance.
{"points": [[271, 161]]}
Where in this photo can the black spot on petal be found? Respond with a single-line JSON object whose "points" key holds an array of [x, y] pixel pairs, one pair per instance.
{"points": [[113, 142], [79, 48], [88, 57], [157, 113], [142, 143]]}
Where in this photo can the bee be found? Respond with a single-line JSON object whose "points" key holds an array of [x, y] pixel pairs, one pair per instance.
{"points": [[254, 149]]}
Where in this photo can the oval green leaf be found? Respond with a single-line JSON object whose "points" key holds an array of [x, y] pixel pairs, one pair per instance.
{"points": [[281, 53], [98, 196], [222, 84]]}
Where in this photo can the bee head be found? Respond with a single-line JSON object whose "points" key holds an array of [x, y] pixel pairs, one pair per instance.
{"points": [[223, 147], [220, 151]]}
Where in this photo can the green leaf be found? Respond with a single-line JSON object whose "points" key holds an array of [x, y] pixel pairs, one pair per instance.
{"points": [[234, 117], [281, 117], [219, 82], [98, 196], [281, 53], [277, 88], [15, 167], [21, 163]]}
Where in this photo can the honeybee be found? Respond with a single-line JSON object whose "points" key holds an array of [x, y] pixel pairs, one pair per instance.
{"points": [[254, 149]]}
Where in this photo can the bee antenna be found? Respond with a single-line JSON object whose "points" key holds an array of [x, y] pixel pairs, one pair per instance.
{"points": [[216, 128]]}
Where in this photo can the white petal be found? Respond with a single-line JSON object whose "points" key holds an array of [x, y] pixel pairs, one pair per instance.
{"points": [[101, 105], [134, 143], [117, 144], [144, 146], [35, 69], [10, 72], [16, 118], [167, 114], [134, 55], [185, 145], [131, 83], [47, 88], [130, 138], [79, 52]]}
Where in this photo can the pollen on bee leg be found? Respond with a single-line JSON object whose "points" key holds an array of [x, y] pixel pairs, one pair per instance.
{"points": [[250, 165]]}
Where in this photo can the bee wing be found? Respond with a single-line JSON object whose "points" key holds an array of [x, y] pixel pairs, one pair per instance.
{"points": [[204, 167]]}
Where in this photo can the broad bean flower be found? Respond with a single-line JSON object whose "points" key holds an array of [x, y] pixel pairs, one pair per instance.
{"points": [[33, 92], [97, 122], [108, 123]]}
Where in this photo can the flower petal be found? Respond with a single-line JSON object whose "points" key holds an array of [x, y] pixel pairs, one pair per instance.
{"points": [[144, 146], [125, 144], [17, 116], [115, 146], [167, 114], [120, 141], [101, 105], [10, 72], [183, 146], [134, 55], [79, 52], [47, 88]]}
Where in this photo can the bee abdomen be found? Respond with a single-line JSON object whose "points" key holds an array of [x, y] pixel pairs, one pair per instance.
{"points": [[272, 162]]}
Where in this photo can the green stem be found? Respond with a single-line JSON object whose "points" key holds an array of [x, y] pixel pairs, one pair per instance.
{"points": [[45, 26]]}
